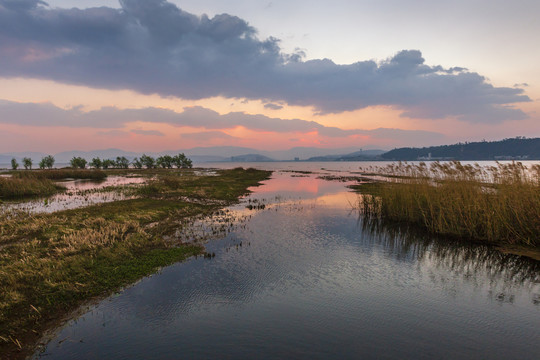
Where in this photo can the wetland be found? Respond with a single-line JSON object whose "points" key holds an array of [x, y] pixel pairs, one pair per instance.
{"points": [[295, 269]]}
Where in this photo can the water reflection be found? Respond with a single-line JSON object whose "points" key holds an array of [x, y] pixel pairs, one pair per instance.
{"points": [[305, 277], [480, 265], [80, 193]]}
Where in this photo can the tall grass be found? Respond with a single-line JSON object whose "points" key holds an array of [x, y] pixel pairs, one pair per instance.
{"points": [[60, 174], [12, 188], [499, 204]]}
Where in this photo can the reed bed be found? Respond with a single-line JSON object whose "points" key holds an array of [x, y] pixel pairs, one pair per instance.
{"points": [[497, 204], [60, 174], [13, 188]]}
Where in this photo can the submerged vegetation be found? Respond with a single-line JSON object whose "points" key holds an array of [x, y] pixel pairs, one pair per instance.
{"points": [[52, 263], [498, 204]]}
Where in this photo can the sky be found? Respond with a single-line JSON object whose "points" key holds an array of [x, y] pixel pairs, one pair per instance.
{"points": [[157, 75]]}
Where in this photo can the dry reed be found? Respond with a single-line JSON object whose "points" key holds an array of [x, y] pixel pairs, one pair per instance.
{"points": [[499, 204]]}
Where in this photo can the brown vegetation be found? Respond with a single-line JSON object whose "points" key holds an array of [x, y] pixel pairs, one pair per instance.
{"points": [[499, 204]]}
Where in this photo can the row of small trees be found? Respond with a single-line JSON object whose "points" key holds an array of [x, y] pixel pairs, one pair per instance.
{"points": [[121, 162], [165, 161], [145, 161], [46, 162]]}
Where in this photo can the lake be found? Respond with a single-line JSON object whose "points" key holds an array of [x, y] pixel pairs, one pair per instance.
{"points": [[308, 278]]}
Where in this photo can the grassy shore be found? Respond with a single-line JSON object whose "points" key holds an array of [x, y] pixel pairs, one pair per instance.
{"points": [[17, 188], [498, 204], [27, 183], [51, 263], [60, 174]]}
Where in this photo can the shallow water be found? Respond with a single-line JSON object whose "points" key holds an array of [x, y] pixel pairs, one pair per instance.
{"points": [[79, 193], [308, 278]]}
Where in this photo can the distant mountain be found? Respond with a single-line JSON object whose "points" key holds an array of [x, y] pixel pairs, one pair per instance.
{"points": [[519, 148], [204, 154], [303, 153], [224, 151], [362, 155], [250, 158], [35, 156]]}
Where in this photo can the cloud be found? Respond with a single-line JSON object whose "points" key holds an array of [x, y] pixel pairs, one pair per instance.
{"points": [[208, 135], [272, 106], [48, 115], [148, 132], [113, 133], [152, 46]]}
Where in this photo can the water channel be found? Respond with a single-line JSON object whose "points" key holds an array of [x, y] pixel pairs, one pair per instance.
{"points": [[308, 278]]}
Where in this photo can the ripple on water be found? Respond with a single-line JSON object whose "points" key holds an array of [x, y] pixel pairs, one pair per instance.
{"points": [[314, 280]]}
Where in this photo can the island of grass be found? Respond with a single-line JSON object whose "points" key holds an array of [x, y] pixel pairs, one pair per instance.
{"points": [[24, 183], [50, 264], [498, 205]]}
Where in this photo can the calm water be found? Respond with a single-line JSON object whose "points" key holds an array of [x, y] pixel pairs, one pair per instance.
{"points": [[79, 193], [307, 278]]}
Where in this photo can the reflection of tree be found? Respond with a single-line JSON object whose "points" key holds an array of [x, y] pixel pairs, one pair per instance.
{"points": [[481, 265]]}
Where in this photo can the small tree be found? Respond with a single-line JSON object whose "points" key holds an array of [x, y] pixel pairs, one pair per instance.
{"points": [[122, 162], [137, 164], [27, 162], [165, 161], [96, 163], [148, 161], [78, 163], [14, 164], [47, 162], [181, 161], [107, 163]]}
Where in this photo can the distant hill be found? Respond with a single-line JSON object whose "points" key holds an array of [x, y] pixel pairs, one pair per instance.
{"points": [[250, 158], [198, 154], [361, 155], [519, 148]]}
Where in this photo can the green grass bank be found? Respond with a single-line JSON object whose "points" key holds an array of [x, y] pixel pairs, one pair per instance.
{"points": [[32, 183], [50, 264]]}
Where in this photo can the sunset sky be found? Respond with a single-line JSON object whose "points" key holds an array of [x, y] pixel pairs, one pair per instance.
{"points": [[155, 75]]}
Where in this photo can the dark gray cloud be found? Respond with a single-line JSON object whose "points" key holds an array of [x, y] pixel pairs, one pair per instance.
{"points": [[273, 106], [151, 46], [47, 115]]}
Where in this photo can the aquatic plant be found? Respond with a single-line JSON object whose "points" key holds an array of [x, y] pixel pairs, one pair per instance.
{"points": [[60, 174], [498, 204], [13, 187]]}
